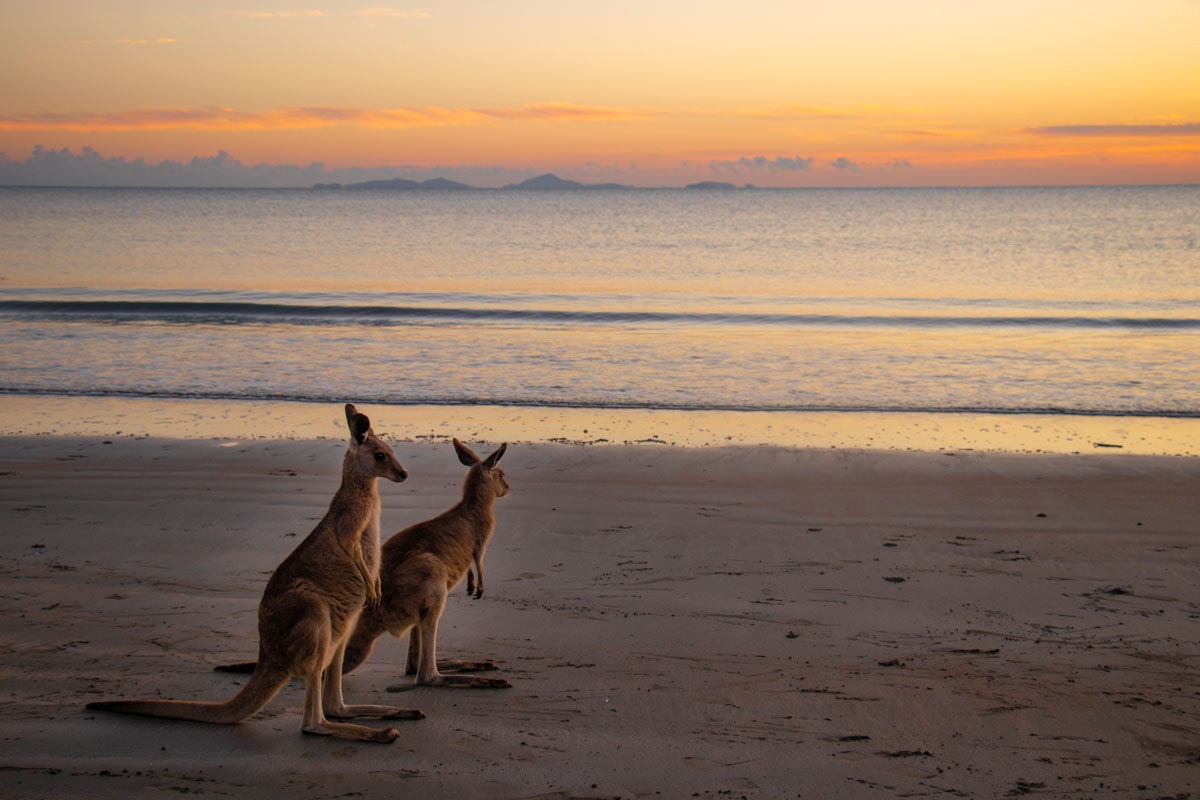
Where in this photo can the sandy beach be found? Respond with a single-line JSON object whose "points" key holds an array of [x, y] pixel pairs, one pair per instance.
{"points": [[735, 621]]}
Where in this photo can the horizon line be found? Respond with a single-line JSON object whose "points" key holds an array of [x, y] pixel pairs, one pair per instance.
{"points": [[723, 186]]}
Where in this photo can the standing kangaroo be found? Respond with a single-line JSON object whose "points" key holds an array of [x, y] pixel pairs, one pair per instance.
{"points": [[421, 564], [309, 606]]}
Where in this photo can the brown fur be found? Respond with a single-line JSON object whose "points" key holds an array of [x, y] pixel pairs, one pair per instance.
{"points": [[309, 607], [421, 564]]}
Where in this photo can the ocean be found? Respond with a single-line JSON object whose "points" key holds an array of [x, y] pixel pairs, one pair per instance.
{"points": [[1075, 301]]}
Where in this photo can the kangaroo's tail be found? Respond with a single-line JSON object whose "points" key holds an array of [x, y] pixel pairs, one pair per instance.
{"points": [[241, 667], [258, 691]]}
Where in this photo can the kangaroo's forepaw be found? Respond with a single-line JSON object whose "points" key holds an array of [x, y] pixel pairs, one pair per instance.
{"points": [[478, 593], [374, 594]]}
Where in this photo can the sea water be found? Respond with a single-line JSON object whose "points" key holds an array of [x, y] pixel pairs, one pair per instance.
{"points": [[1080, 301]]}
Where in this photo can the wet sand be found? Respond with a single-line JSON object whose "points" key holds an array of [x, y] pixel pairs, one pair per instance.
{"points": [[736, 621], [25, 415]]}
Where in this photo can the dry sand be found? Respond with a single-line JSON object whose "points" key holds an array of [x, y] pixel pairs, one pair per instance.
{"points": [[677, 622]]}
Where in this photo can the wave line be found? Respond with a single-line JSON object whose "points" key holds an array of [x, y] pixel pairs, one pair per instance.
{"points": [[615, 405], [223, 312]]}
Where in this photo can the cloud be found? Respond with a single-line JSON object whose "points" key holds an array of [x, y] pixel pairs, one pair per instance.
{"points": [[1164, 129], [89, 168], [777, 164], [304, 117], [388, 118], [143, 119], [796, 164], [565, 111]]}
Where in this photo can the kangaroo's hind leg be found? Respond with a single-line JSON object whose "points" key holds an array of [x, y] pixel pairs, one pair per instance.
{"points": [[332, 695], [316, 723], [309, 642], [414, 659], [425, 638]]}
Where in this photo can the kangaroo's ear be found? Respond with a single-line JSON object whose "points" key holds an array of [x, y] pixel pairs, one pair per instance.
{"points": [[362, 426], [359, 424], [465, 455], [492, 460]]}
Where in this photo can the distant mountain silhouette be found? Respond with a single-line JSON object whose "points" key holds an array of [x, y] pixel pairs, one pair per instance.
{"points": [[551, 181], [444, 183], [710, 185], [547, 181], [397, 184]]}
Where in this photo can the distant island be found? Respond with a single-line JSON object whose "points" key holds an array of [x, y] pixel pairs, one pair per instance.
{"points": [[712, 185], [397, 184], [541, 182], [550, 181]]}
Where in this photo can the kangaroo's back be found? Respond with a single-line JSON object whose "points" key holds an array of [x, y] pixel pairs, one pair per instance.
{"points": [[449, 539]]}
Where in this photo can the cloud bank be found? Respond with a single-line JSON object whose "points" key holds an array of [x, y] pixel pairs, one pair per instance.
{"points": [[307, 117], [777, 164], [49, 167], [1165, 129], [89, 168]]}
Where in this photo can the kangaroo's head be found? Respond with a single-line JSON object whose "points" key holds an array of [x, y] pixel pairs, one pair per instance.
{"points": [[370, 456], [484, 475]]}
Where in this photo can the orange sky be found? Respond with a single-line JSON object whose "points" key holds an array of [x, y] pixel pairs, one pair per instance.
{"points": [[652, 92]]}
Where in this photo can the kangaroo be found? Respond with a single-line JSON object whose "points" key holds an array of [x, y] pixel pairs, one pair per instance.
{"points": [[420, 565], [308, 607]]}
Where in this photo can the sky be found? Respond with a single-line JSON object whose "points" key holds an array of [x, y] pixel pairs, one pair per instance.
{"points": [[642, 92]]}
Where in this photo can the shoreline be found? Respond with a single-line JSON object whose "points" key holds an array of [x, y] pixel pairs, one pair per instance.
{"points": [[920, 431], [736, 621]]}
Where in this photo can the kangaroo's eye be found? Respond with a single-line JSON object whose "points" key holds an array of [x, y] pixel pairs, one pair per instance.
{"points": [[380, 456]]}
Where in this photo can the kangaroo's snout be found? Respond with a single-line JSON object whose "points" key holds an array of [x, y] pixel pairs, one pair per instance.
{"points": [[399, 475]]}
